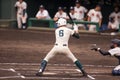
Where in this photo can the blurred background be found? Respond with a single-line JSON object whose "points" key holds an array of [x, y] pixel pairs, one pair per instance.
{"points": [[7, 10]]}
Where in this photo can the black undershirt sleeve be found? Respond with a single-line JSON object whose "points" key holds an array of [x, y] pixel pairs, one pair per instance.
{"points": [[104, 53]]}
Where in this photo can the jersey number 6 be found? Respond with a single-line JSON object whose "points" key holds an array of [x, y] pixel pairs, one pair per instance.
{"points": [[61, 33]]}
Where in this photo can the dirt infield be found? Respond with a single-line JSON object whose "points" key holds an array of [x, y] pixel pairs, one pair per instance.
{"points": [[22, 50]]}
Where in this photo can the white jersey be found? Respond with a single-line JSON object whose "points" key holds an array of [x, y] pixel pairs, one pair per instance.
{"points": [[116, 16], [63, 35], [73, 16], [95, 16], [63, 15], [20, 7], [114, 25], [115, 51], [80, 12], [43, 14]]}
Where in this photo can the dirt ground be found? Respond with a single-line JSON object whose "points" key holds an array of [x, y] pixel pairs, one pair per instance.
{"points": [[22, 50]]}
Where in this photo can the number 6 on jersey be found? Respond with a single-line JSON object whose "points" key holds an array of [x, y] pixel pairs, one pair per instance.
{"points": [[61, 33]]}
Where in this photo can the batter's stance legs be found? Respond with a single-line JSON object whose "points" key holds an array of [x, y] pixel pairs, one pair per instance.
{"points": [[78, 64], [42, 68]]}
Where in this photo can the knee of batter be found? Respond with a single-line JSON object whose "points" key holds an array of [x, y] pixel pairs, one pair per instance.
{"points": [[50, 54], [70, 55]]}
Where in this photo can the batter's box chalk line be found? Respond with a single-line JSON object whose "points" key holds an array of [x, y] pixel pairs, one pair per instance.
{"points": [[89, 76], [19, 74], [14, 71]]}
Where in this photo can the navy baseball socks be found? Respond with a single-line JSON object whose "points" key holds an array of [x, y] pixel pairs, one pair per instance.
{"points": [[78, 64], [42, 68], [24, 26], [44, 63]]}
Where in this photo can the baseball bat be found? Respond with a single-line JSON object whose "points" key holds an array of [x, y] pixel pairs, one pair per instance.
{"points": [[67, 11], [74, 26]]}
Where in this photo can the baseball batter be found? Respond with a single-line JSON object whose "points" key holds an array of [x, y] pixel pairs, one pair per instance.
{"points": [[21, 7], [62, 34], [114, 51]]}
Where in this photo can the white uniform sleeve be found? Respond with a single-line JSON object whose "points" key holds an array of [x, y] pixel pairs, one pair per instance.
{"points": [[45, 13], [115, 51], [71, 32], [100, 15], [24, 5], [75, 27], [85, 10], [65, 15], [89, 13], [112, 52]]}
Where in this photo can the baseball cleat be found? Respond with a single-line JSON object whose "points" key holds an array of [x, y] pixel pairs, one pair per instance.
{"points": [[85, 74], [39, 74]]}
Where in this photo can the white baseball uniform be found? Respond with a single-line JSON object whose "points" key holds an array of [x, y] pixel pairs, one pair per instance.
{"points": [[73, 16], [80, 12], [43, 14], [61, 45], [115, 52], [20, 18], [116, 17], [63, 15], [95, 16], [114, 25]]}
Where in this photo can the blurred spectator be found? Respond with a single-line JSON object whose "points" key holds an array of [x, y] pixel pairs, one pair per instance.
{"points": [[80, 10], [21, 7], [113, 24], [42, 13], [94, 15], [60, 14], [114, 19], [74, 16], [72, 13], [80, 13]]}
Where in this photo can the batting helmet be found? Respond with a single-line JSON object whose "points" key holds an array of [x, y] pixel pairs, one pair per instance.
{"points": [[61, 22], [116, 41]]}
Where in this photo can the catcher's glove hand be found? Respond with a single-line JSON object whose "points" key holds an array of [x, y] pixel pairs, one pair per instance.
{"points": [[95, 48]]}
